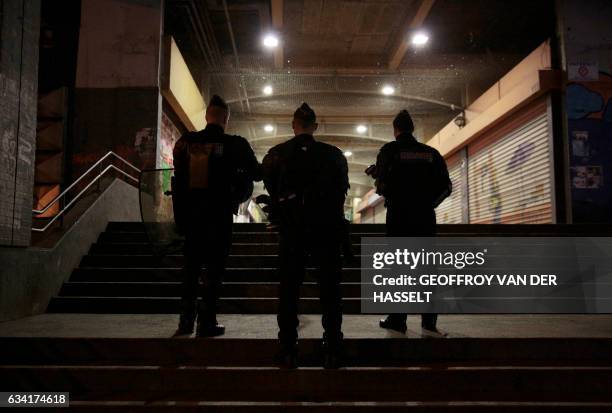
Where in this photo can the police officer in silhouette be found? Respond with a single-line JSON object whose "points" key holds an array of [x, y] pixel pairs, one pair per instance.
{"points": [[212, 172], [414, 180], [307, 181]]}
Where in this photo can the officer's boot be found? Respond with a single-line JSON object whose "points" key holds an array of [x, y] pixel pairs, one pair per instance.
{"points": [[207, 309], [429, 326], [187, 318], [332, 350], [396, 322], [207, 322], [287, 355]]}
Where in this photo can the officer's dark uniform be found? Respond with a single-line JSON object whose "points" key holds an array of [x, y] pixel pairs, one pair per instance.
{"points": [[414, 179], [308, 181], [208, 166]]}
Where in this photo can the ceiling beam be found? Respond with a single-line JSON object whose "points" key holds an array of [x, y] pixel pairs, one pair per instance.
{"points": [[323, 135], [331, 119], [398, 96], [277, 24], [404, 43]]}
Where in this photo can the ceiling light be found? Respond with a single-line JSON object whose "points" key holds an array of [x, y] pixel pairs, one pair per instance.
{"points": [[419, 39], [347, 153], [361, 128], [269, 128], [388, 90], [270, 41], [267, 90]]}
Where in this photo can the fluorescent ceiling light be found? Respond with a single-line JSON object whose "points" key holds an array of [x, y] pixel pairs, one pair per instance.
{"points": [[388, 90], [419, 39], [348, 153], [270, 41], [361, 128], [267, 90], [269, 128]]}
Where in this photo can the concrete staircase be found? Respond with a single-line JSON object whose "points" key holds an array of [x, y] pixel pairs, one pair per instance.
{"points": [[121, 275]]}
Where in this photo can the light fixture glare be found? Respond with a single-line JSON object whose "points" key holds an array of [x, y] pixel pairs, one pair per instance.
{"points": [[388, 90], [270, 41], [419, 39]]}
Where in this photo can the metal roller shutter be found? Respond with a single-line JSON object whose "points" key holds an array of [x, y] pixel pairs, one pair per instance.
{"points": [[510, 180], [449, 211]]}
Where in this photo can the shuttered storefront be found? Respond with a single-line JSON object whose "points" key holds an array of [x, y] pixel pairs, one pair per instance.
{"points": [[449, 211], [510, 170]]}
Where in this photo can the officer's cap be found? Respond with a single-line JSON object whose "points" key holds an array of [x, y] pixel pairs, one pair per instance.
{"points": [[218, 101], [403, 122], [305, 114]]}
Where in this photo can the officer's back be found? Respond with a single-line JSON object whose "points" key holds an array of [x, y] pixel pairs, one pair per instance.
{"points": [[412, 177], [308, 179], [213, 168]]}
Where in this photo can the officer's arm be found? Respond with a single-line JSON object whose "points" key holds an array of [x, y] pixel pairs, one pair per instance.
{"points": [[269, 167], [343, 179], [381, 170], [181, 165], [444, 184], [343, 173], [250, 163], [179, 183]]}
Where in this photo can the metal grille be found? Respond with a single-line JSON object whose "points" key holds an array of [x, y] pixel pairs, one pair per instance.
{"points": [[449, 211], [510, 180]]}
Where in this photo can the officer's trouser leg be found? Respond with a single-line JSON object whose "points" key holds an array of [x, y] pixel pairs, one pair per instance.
{"points": [[429, 320], [291, 277], [211, 283], [218, 244], [191, 275], [397, 226], [329, 268]]}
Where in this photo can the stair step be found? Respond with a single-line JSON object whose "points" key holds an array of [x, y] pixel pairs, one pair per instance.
{"points": [[237, 237], [142, 248], [522, 229], [137, 226], [174, 274], [174, 289], [175, 261], [170, 305], [335, 407], [359, 352], [419, 383]]}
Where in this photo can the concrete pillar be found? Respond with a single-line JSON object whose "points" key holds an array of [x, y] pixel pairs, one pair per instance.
{"points": [[20, 22]]}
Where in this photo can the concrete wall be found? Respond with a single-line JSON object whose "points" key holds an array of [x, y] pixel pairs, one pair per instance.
{"points": [[587, 36], [117, 98], [20, 21], [29, 277]]}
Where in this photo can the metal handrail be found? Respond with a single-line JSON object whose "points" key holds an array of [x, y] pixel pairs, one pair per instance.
{"points": [[65, 191], [108, 168]]}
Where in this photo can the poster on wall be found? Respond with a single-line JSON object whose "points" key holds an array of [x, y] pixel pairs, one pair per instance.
{"points": [[587, 177]]}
